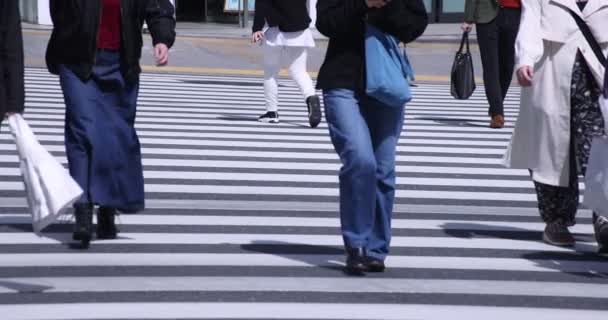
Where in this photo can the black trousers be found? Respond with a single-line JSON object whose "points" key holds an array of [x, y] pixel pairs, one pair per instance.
{"points": [[496, 41]]}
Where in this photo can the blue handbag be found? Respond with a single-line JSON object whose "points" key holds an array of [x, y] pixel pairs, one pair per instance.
{"points": [[387, 69]]}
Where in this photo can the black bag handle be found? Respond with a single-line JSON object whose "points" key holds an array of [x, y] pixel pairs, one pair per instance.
{"points": [[595, 46], [465, 39]]}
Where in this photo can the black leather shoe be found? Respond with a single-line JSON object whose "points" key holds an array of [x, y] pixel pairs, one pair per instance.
{"points": [[314, 111], [106, 228], [84, 223], [355, 261], [375, 265]]}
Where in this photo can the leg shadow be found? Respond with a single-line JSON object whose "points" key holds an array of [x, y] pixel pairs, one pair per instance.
{"points": [[326, 257], [454, 122], [582, 260]]}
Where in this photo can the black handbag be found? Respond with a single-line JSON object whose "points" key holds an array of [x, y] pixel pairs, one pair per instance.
{"points": [[463, 75], [595, 46]]}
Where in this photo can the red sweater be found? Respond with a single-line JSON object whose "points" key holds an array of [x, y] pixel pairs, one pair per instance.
{"points": [[109, 28], [516, 4]]}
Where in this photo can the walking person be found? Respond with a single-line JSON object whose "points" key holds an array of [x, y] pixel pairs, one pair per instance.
{"points": [[287, 39], [561, 77], [95, 48], [497, 23], [364, 131], [11, 60]]}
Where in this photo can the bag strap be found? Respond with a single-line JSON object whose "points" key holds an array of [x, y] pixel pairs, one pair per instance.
{"points": [[465, 39], [595, 46]]}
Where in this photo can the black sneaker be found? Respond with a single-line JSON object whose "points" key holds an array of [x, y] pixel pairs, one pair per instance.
{"points": [[557, 234], [269, 117], [314, 111], [600, 226]]}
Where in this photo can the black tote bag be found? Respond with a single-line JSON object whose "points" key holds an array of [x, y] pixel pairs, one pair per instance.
{"points": [[463, 75]]}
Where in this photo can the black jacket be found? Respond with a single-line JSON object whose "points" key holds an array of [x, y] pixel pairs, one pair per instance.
{"points": [[76, 26], [343, 22], [288, 15], [11, 59]]}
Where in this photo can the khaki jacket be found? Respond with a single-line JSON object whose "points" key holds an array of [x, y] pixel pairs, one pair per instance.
{"points": [[480, 11]]}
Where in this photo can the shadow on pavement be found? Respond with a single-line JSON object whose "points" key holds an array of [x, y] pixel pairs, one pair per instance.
{"points": [[255, 119], [583, 254], [455, 122], [24, 287], [319, 256]]}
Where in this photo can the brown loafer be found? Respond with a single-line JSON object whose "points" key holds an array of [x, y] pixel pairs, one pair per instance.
{"points": [[497, 122]]}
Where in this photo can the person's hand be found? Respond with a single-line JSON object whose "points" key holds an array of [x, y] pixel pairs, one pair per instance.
{"points": [[377, 3], [161, 54], [257, 36], [525, 75], [466, 26]]}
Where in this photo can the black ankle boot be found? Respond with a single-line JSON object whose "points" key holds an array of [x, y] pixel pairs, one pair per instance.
{"points": [[356, 261], [314, 111], [84, 223], [106, 228]]}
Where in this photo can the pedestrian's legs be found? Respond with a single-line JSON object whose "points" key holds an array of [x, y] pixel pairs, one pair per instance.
{"points": [[350, 136], [297, 69], [78, 99], [559, 204], [587, 124], [296, 59], [385, 125], [272, 66], [487, 37], [509, 26]]}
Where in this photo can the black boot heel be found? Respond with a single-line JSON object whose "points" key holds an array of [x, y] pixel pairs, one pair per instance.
{"points": [[106, 227], [84, 223]]}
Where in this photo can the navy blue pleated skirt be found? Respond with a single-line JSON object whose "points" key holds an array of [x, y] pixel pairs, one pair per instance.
{"points": [[102, 146]]}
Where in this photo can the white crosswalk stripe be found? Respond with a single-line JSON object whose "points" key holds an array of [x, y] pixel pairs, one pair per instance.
{"points": [[242, 222]]}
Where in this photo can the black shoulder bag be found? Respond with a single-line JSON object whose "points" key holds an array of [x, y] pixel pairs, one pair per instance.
{"points": [[462, 75], [595, 46]]}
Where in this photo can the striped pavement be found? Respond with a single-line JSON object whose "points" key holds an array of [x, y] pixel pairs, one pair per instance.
{"points": [[242, 220]]}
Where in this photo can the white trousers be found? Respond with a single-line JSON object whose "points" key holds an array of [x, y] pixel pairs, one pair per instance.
{"points": [[274, 58]]}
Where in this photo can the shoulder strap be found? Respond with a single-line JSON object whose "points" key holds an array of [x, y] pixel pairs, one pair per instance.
{"points": [[595, 46]]}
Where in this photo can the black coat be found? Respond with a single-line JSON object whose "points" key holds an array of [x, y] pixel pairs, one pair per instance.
{"points": [[76, 26], [288, 15], [11, 59], [343, 22]]}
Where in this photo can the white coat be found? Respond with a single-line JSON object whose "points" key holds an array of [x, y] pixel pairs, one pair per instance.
{"points": [[548, 40], [49, 187]]}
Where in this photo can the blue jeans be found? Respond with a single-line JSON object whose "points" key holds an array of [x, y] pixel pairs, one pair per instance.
{"points": [[365, 134]]}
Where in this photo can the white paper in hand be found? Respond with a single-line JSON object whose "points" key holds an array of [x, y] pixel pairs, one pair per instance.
{"points": [[49, 187]]}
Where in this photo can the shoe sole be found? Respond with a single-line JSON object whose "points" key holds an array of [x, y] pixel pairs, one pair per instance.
{"points": [[559, 244], [107, 236], [269, 120]]}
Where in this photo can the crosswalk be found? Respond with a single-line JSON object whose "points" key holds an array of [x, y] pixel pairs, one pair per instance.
{"points": [[242, 222]]}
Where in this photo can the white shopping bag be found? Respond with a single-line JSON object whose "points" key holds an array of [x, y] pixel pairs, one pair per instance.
{"points": [[49, 187], [596, 179]]}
